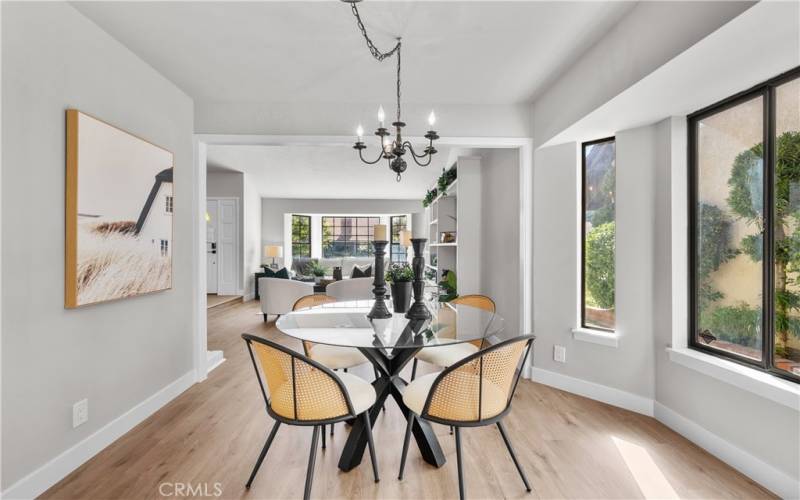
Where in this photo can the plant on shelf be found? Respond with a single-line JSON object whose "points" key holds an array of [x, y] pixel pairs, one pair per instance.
{"points": [[399, 276], [448, 286], [447, 178], [430, 274], [429, 197]]}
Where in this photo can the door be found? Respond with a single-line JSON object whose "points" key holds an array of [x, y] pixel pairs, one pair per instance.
{"points": [[227, 246], [211, 246]]}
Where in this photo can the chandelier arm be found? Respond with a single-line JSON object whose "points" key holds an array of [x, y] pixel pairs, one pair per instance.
{"points": [[370, 162], [416, 157]]}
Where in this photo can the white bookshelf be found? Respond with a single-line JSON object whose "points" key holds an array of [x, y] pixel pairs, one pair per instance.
{"points": [[461, 201]]}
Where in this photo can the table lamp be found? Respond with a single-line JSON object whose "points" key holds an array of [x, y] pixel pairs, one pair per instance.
{"points": [[273, 251]]}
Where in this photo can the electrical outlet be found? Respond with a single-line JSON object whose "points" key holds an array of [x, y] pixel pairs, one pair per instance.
{"points": [[80, 412], [560, 353]]}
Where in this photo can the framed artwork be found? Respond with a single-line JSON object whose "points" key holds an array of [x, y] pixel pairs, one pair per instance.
{"points": [[119, 210]]}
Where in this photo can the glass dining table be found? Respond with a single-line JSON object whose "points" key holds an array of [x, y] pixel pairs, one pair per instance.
{"points": [[389, 344]]}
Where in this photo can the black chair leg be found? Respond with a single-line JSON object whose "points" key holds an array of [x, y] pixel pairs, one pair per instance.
{"points": [[372, 455], [332, 429], [513, 455], [323, 437], [414, 369], [265, 317], [451, 430], [460, 465], [263, 453], [311, 460], [406, 441]]}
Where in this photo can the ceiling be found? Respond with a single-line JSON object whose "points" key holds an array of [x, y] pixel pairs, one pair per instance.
{"points": [[311, 52], [323, 172]]}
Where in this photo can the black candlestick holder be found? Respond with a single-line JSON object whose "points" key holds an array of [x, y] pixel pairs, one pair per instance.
{"points": [[379, 309], [418, 310]]}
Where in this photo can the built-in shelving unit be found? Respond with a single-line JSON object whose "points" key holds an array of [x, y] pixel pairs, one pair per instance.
{"points": [[460, 201]]}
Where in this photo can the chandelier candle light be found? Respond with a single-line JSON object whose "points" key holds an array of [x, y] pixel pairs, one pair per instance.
{"points": [[392, 150]]}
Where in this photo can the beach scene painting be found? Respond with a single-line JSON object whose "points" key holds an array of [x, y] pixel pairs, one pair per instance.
{"points": [[119, 213]]}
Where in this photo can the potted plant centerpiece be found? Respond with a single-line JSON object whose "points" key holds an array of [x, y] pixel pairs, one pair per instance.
{"points": [[400, 277], [317, 270]]}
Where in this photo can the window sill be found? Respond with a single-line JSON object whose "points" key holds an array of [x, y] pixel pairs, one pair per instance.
{"points": [[608, 339], [760, 383]]}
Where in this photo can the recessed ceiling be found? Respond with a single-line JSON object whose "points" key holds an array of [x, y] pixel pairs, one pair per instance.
{"points": [[322, 172], [311, 52]]}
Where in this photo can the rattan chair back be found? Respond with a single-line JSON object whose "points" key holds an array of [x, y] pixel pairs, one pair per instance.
{"points": [[478, 388], [475, 300], [298, 389], [311, 301]]}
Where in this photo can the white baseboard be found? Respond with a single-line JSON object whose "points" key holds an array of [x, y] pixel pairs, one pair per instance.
{"points": [[591, 390], [38, 481], [751, 466], [215, 359], [249, 296]]}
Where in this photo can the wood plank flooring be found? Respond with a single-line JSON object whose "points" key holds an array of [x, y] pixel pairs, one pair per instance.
{"points": [[571, 447]]}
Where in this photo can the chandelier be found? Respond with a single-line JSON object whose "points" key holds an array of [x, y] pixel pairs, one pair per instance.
{"points": [[392, 150]]}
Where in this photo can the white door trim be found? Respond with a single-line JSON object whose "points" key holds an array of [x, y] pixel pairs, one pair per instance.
{"points": [[201, 142]]}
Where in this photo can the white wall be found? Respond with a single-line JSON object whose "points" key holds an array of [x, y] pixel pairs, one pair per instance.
{"points": [[231, 185], [499, 254], [253, 250], [649, 36], [115, 354]]}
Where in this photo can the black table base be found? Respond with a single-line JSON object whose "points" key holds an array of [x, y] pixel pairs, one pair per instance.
{"points": [[388, 384]]}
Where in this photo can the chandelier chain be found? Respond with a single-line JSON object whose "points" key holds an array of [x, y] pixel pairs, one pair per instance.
{"points": [[377, 54]]}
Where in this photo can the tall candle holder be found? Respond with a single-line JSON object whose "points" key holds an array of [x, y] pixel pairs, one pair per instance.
{"points": [[379, 309], [418, 309]]}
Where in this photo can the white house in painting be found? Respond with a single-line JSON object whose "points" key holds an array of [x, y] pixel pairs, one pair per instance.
{"points": [[155, 221]]}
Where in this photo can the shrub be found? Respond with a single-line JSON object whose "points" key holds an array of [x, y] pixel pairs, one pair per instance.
{"points": [[737, 324], [600, 249]]}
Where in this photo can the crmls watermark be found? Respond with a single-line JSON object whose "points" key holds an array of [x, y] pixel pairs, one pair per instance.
{"points": [[179, 489]]}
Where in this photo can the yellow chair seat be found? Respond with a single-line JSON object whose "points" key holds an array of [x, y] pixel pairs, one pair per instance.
{"points": [[493, 400], [336, 357], [446, 355]]}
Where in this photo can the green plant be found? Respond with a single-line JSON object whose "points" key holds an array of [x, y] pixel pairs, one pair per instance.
{"points": [[429, 197], [447, 178], [746, 200], [399, 273], [448, 287], [739, 324], [713, 250], [600, 247], [316, 269]]}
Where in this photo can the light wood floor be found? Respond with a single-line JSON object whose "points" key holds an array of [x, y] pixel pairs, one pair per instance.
{"points": [[214, 300], [571, 447]]}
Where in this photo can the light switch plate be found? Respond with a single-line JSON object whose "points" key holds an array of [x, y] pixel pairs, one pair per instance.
{"points": [[560, 353], [80, 412]]}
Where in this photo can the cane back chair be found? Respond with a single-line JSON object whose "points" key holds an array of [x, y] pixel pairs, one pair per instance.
{"points": [[475, 391], [446, 355], [301, 391]]}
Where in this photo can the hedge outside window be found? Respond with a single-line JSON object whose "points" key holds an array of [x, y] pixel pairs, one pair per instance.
{"points": [[598, 241], [301, 235], [744, 259], [348, 236], [398, 252]]}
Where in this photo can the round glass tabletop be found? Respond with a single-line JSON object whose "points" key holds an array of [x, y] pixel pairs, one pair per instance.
{"points": [[346, 324]]}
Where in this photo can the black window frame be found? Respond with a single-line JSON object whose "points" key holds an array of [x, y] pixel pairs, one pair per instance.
{"points": [[584, 145], [354, 224], [395, 242], [765, 90], [302, 242]]}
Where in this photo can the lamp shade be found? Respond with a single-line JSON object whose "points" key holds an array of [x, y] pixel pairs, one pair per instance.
{"points": [[405, 238], [273, 251]]}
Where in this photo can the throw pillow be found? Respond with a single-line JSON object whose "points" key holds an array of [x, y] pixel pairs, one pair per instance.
{"points": [[361, 272], [283, 273]]}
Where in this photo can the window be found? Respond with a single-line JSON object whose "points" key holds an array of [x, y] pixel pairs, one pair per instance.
{"points": [[301, 235], [398, 252], [168, 204], [348, 236], [598, 235], [164, 246], [744, 227]]}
